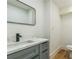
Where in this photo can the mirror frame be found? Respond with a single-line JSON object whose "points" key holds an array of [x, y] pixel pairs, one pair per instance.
{"points": [[25, 23]]}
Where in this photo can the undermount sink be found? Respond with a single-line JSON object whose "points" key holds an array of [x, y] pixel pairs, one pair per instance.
{"points": [[30, 41]]}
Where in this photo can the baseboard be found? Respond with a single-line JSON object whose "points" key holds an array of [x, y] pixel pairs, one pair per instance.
{"points": [[54, 53]]}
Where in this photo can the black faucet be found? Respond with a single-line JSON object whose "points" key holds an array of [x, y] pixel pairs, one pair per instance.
{"points": [[18, 37]]}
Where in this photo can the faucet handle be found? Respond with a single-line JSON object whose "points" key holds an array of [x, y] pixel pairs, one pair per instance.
{"points": [[18, 37], [18, 34]]}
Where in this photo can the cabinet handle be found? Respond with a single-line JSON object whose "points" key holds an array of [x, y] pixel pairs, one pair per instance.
{"points": [[44, 50]]}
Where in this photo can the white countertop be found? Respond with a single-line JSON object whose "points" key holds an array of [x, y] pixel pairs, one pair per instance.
{"points": [[14, 47]]}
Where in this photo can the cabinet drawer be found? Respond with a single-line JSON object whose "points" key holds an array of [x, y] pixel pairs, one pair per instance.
{"points": [[44, 46], [25, 54]]}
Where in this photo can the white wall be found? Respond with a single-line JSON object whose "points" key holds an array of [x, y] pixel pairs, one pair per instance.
{"points": [[66, 29], [55, 28], [46, 18]]}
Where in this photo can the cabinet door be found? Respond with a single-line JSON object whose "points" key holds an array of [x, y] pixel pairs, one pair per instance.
{"points": [[25, 57], [25, 54]]}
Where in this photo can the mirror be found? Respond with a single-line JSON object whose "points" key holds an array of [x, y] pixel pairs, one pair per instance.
{"points": [[20, 13]]}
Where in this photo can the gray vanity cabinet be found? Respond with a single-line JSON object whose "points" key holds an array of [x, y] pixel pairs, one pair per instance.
{"points": [[30, 53], [44, 50], [40, 51]]}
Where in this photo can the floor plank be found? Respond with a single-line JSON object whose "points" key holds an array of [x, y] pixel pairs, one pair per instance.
{"points": [[62, 54]]}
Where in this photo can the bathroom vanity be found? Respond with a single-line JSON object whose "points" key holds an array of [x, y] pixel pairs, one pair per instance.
{"points": [[37, 50]]}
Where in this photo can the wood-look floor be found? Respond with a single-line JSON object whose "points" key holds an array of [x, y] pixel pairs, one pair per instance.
{"points": [[62, 54]]}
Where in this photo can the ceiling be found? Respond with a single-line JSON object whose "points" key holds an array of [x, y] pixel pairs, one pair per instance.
{"points": [[63, 3]]}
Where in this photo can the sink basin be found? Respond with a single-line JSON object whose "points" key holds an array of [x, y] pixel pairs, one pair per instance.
{"points": [[30, 41]]}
